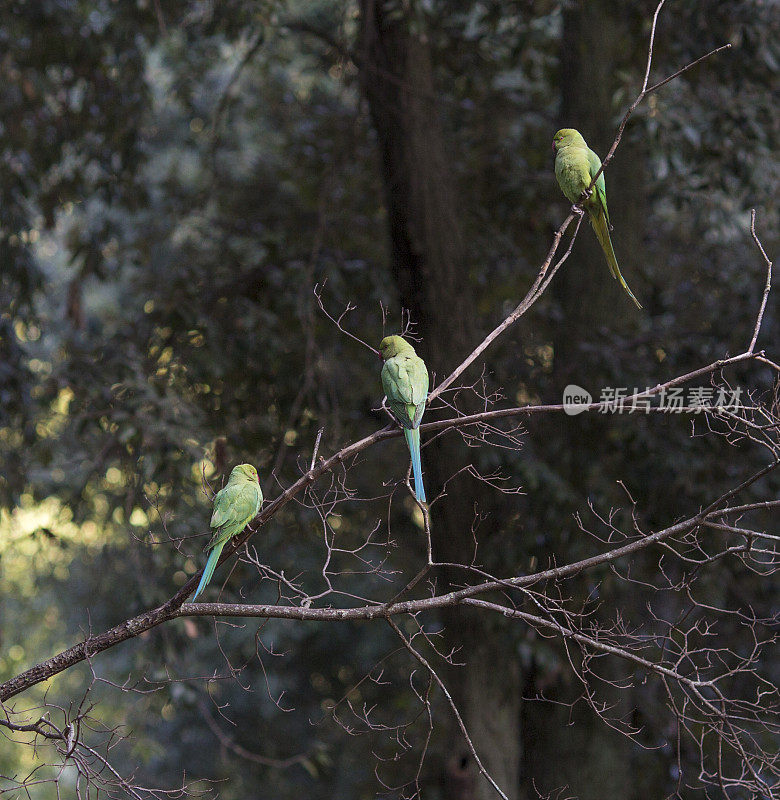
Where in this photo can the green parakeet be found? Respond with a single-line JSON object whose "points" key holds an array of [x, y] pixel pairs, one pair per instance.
{"points": [[235, 506], [405, 381], [575, 166]]}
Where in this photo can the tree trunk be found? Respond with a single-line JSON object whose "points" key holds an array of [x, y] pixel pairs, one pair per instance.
{"points": [[429, 266], [571, 746], [597, 43]]}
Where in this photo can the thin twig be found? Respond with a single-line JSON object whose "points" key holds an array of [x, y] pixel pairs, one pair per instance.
{"points": [[462, 725], [768, 284]]}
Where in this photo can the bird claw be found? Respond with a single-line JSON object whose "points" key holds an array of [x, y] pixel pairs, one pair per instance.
{"points": [[586, 194], [577, 210]]}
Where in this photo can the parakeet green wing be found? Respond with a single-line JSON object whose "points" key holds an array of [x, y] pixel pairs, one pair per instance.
{"points": [[234, 507], [600, 187], [406, 385]]}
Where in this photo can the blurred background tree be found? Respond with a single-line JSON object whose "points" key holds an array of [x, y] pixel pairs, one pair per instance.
{"points": [[175, 179]]}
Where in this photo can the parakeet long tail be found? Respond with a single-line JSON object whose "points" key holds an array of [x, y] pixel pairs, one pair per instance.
{"points": [[209, 569], [413, 440], [601, 229]]}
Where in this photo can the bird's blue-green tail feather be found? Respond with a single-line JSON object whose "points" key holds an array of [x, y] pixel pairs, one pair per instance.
{"points": [[601, 228], [209, 570], [413, 440]]}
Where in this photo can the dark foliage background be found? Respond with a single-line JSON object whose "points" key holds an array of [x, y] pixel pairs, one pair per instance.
{"points": [[175, 179]]}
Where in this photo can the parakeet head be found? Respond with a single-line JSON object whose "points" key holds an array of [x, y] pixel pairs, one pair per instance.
{"points": [[393, 345], [567, 137], [244, 472]]}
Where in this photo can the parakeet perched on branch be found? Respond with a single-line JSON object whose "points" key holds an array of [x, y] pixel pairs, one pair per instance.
{"points": [[405, 381], [235, 506], [575, 166]]}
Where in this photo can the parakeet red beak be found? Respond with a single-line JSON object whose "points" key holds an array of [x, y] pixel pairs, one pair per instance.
{"points": [[553, 144]]}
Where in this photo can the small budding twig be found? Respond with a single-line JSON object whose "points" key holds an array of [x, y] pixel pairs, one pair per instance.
{"points": [[316, 448], [337, 321]]}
